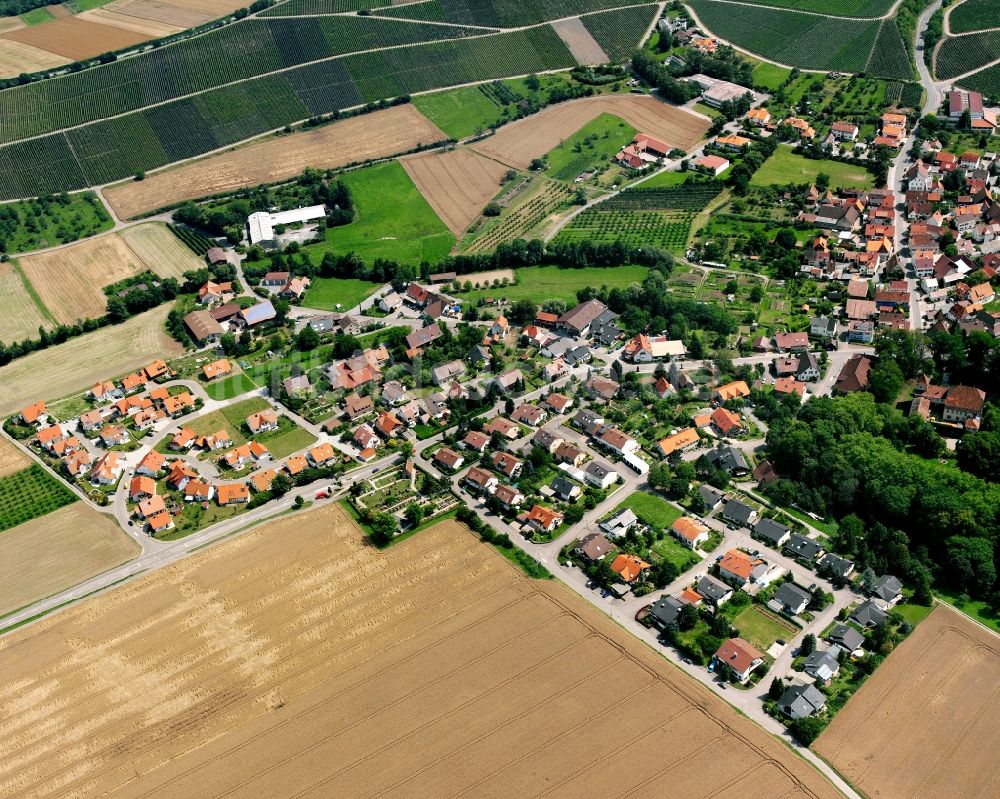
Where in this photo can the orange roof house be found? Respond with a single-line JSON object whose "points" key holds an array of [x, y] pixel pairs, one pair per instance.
{"points": [[725, 421], [737, 388], [262, 421], [678, 442], [320, 454], [151, 463], [159, 522], [544, 518], [151, 506], [740, 656], [629, 567], [31, 414], [156, 369], [262, 480], [690, 531], [296, 464], [232, 493], [140, 487], [216, 369]]}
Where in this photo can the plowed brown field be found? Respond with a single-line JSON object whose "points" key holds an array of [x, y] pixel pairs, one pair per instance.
{"points": [[57, 551], [925, 723], [297, 661], [457, 184], [532, 137], [75, 38], [362, 138]]}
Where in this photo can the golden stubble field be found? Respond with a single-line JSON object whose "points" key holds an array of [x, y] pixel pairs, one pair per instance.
{"points": [[297, 661], [925, 723], [457, 184], [57, 551], [80, 362], [376, 135], [21, 317], [160, 250], [532, 137]]}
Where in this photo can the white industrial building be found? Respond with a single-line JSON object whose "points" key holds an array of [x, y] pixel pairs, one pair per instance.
{"points": [[260, 225]]}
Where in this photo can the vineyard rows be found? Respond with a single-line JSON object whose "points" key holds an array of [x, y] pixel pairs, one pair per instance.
{"points": [[986, 81], [974, 15], [499, 13], [523, 219], [197, 242], [301, 7], [961, 54], [235, 52], [620, 32], [109, 150], [889, 58], [807, 40], [687, 197], [665, 229]]}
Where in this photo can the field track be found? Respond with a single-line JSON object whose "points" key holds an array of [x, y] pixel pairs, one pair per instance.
{"points": [[925, 723], [297, 661], [80, 362], [457, 184], [57, 551], [519, 142], [70, 279], [11, 458], [580, 42], [362, 138]]}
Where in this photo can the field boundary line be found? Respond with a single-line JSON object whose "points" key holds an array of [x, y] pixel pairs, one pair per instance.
{"points": [[782, 9], [30, 289]]}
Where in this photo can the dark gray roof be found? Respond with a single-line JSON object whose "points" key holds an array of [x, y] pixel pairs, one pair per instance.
{"points": [[818, 659], [836, 565], [737, 511], [575, 355], [710, 495], [712, 589], [846, 636], [803, 547], [665, 610], [729, 458], [562, 486], [791, 596], [598, 470], [868, 614], [800, 701], [887, 588], [585, 417], [770, 530]]}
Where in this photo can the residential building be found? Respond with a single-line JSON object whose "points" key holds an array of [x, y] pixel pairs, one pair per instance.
{"points": [[740, 657], [835, 566], [801, 701], [665, 611], [600, 475], [679, 441], [481, 479], [262, 421], [740, 569], [629, 567], [739, 513], [594, 546], [543, 519], [805, 549], [714, 592], [690, 532], [845, 636], [869, 614], [823, 665], [790, 599], [619, 523]]}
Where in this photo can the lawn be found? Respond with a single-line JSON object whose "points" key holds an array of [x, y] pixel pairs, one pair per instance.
{"points": [[236, 414], [786, 167], [594, 144], [337, 294], [914, 614], [393, 221], [460, 113], [36, 16], [230, 387], [759, 629], [540, 283], [770, 76], [973, 608], [673, 178], [678, 554], [652, 510], [288, 438]]}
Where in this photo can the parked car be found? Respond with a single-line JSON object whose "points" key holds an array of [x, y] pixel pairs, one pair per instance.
{"points": [[322, 495]]}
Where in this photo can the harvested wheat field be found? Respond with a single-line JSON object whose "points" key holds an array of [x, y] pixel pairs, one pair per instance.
{"points": [[57, 551], [519, 142], [297, 661], [362, 138], [457, 184], [21, 317], [580, 42], [148, 28], [174, 13], [478, 279], [16, 58], [11, 459], [160, 250], [70, 280], [924, 724], [80, 362], [75, 38]]}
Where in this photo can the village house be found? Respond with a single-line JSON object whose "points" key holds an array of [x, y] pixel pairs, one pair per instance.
{"points": [[449, 459], [690, 532], [481, 480], [262, 421], [543, 519], [740, 569], [739, 657]]}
